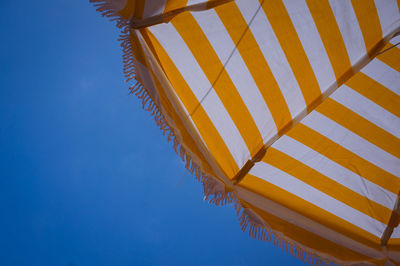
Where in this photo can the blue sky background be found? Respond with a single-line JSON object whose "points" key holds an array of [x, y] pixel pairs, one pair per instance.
{"points": [[86, 177]]}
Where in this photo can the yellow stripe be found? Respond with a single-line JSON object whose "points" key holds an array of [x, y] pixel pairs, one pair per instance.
{"points": [[370, 25], [391, 57], [133, 8], [249, 50], [376, 92], [208, 60], [299, 205], [139, 8], [207, 130], [169, 110], [360, 126], [332, 39], [394, 244], [174, 4], [309, 239], [128, 10], [326, 185], [294, 51], [344, 157], [187, 139]]}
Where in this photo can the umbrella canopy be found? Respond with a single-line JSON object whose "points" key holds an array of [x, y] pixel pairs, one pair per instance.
{"points": [[289, 109]]}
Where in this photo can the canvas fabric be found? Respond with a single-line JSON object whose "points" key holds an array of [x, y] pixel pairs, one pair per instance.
{"points": [[290, 108]]}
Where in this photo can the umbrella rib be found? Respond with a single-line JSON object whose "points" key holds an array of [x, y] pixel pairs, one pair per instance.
{"points": [[393, 222], [394, 45], [249, 165]]}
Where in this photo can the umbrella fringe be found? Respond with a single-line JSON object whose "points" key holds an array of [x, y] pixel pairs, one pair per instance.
{"points": [[212, 195], [260, 230], [216, 192], [107, 10]]}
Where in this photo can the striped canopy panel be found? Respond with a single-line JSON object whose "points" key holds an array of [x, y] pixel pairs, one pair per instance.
{"points": [[288, 108]]}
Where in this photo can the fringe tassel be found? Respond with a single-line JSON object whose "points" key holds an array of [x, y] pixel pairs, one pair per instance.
{"points": [[258, 229], [107, 10], [215, 191]]}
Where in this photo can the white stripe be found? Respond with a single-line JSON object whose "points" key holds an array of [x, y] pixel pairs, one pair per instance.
{"points": [[153, 8], [274, 55], [200, 85], [312, 43], [317, 198], [149, 82], [388, 13], [395, 40], [172, 97], [237, 70], [144, 75], [353, 142], [307, 224], [396, 232], [383, 74], [368, 109], [195, 2], [350, 29], [334, 171]]}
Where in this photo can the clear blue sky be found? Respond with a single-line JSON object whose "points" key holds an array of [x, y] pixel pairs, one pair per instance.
{"points": [[86, 177]]}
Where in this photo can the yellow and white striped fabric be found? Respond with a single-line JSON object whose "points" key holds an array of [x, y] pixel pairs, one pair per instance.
{"points": [[300, 80], [339, 167]]}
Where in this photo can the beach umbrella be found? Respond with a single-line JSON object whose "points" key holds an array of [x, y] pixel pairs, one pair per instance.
{"points": [[289, 109]]}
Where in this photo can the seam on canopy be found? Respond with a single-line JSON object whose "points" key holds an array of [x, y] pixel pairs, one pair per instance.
{"points": [[215, 196], [212, 187], [213, 192], [356, 68]]}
